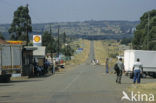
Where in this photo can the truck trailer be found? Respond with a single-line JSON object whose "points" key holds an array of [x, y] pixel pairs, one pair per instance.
{"points": [[147, 58], [10, 61]]}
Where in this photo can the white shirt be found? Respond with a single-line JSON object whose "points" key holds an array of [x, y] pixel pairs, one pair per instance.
{"points": [[137, 66]]}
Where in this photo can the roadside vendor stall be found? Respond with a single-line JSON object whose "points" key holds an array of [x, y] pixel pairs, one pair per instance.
{"points": [[28, 68], [39, 55]]}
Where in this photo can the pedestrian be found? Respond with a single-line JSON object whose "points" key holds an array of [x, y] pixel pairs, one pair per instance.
{"points": [[97, 62], [39, 71], [119, 66], [53, 66], [35, 67], [137, 70], [107, 66], [46, 65], [93, 62]]}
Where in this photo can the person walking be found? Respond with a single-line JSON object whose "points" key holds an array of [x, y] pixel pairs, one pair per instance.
{"points": [[53, 66], [97, 62], [119, 70], [46, 65], [107, 60], [137, 70]]}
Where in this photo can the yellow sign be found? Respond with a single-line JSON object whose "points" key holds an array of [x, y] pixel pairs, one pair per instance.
{"points": [[36, 38], [15, 42]]}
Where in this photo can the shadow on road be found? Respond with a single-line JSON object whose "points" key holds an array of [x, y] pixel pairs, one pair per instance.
{"points": [[126, 83], [6, 85], [18, 81], [5, 96]]}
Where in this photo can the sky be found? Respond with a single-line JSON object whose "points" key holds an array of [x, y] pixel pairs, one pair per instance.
{"points": [[46, 11]]}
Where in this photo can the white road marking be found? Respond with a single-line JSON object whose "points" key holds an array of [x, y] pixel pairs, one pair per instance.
{"points": [[71, 82]]}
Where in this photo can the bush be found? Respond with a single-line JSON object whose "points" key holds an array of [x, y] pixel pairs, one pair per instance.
{"points": [[113, 55]]}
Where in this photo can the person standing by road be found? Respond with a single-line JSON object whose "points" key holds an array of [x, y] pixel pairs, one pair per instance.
{"points": [[120, 67], [53, 66], [137, 70], [107, 67]]}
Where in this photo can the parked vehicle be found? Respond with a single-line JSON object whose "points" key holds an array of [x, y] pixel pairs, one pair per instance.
{"points": [[147, 58], [59, 63], [10, 61]]}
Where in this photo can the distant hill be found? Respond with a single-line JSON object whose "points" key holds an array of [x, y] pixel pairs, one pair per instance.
{"points": [[87, 29]]}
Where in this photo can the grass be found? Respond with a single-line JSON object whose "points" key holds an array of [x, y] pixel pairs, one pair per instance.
{"points": [[83, 56], [148, 88], [106, 49], [100, 52], [19, 78]]}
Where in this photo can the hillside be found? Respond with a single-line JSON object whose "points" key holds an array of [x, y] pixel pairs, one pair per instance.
{"points": [[83, 29]]}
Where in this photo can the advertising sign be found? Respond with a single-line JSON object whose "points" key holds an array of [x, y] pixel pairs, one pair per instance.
{"points": [[37, 40]]}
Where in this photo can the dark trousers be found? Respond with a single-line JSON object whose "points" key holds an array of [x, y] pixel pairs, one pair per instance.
{"points": [[107, 68], [136, 76], [53, 69], [119, 76]]}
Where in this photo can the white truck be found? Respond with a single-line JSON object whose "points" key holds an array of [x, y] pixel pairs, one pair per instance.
{"points": [[10, 61], [147, 58]]}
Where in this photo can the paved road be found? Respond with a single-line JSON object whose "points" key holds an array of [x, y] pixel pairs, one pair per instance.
{"points": [[85, 83]]}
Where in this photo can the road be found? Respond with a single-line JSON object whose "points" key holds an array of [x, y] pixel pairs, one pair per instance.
{"points": [[84, 83]]}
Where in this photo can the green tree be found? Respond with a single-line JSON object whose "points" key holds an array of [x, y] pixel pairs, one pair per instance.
{"points": [[46, 38], [49, 42], [68, 51], [145, 33], [21, 24], [1, 36], [126, 41]]}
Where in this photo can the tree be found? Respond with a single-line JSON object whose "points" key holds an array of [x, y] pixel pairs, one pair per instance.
{"points": [[126, 41], [1, 36], [49, 42], [68, 51], [21, 24], [145, 33], [46, 38]]}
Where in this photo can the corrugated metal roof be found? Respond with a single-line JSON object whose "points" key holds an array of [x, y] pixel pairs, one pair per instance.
{"points": [[40, 51], [30, 48]]}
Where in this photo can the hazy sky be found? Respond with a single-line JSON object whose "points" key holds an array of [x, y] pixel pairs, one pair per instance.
{"points": [[44, 11]]}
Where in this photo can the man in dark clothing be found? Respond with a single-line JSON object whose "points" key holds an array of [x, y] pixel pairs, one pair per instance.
{"points": [[46, 65], [119, 67], [107, 60], [35, 68]]}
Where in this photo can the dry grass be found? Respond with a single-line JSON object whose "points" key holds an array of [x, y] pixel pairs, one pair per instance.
{"points": [[100, 52], [148, 88], [103, 49], [82, 57], [19, 78]]}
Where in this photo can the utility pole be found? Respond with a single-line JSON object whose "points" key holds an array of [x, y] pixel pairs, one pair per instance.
{"points": [[50, 30], [64, 37], [27, 33], [58, 41], [51, 36], [65, 45]]}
